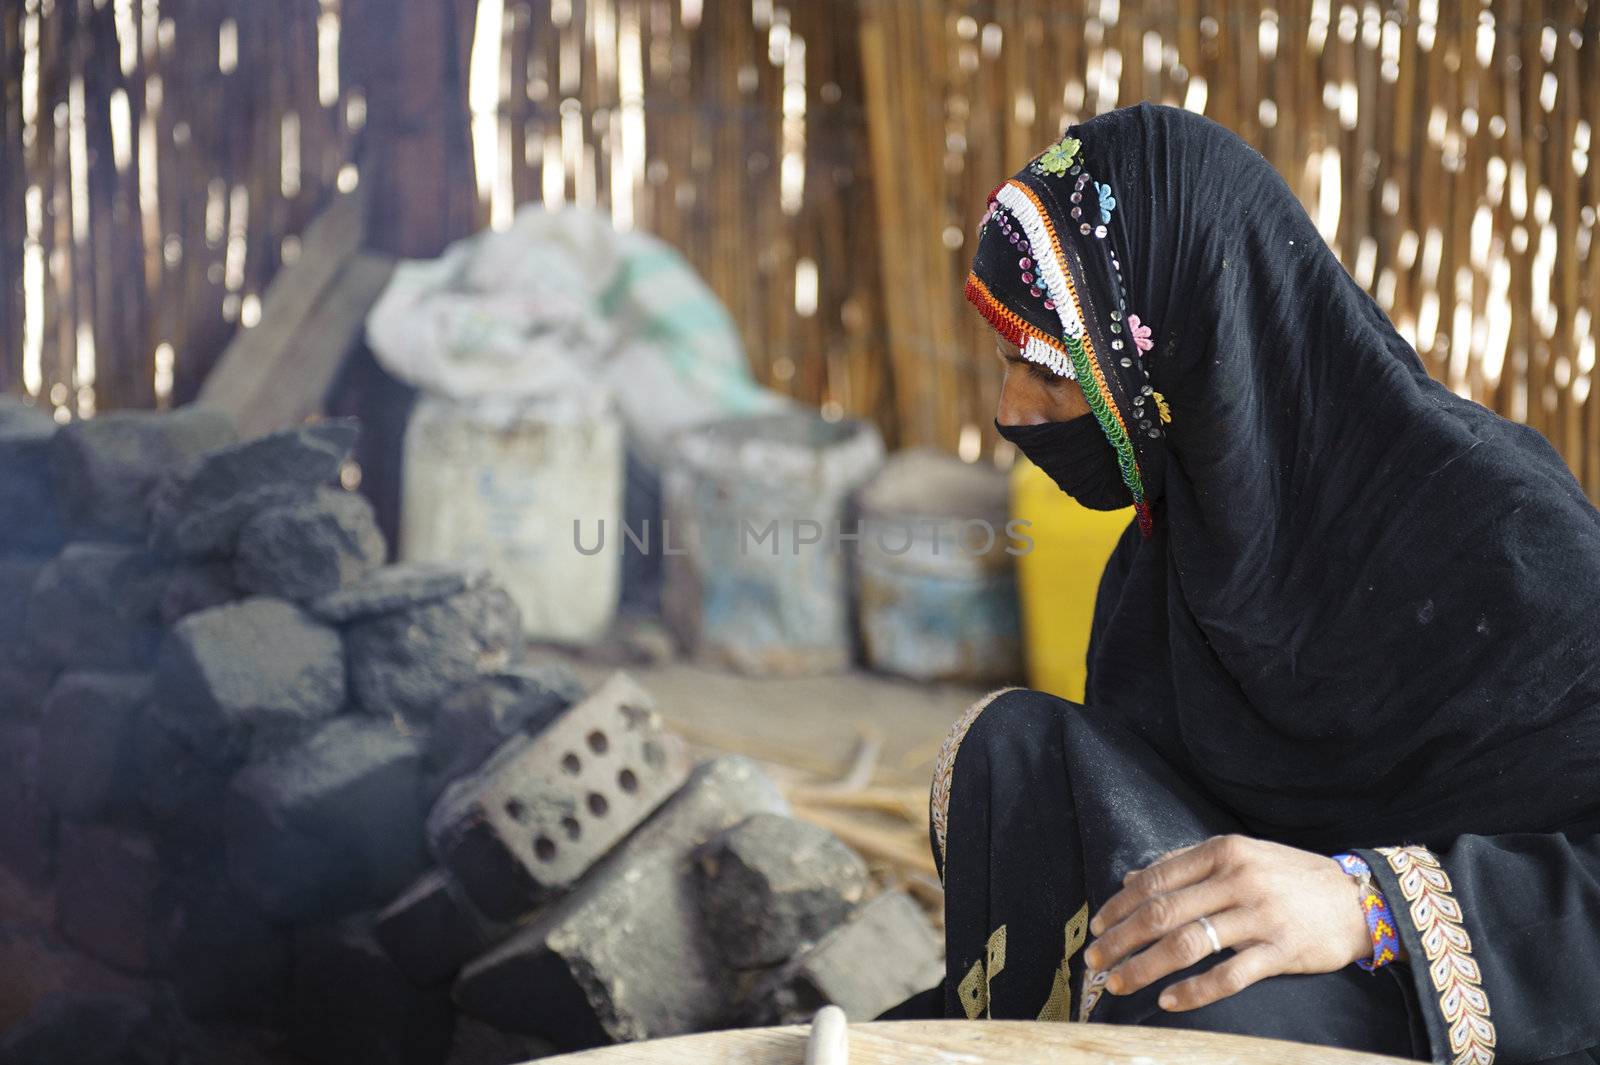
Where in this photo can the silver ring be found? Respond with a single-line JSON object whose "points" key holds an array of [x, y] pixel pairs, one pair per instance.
{"points": [[1211, 934]]}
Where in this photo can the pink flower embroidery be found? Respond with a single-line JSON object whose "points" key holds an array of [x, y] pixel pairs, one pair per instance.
{"points": [[1140, 333]]}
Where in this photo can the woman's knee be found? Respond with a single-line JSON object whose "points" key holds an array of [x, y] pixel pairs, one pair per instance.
{"points": [[1009, 727], [1002, 717]]}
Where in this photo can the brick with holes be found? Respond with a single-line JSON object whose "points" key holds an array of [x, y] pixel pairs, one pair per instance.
{"points": [[626, 955], [544, 808]]}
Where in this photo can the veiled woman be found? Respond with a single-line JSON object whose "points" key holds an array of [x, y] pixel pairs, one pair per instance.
{"points": [[1336, 777]]}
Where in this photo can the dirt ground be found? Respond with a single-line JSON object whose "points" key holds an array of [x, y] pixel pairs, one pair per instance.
{"points": [[808, 723]]}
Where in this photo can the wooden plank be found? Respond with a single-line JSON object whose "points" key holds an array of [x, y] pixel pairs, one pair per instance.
{"points": [[250, 362], [977, 1043], [312, 355]]}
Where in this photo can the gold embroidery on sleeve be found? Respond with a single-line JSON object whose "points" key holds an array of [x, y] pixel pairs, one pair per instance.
{"points": [[1451, 968], [944, 769]]}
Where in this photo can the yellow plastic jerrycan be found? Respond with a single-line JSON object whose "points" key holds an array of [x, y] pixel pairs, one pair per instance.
{"points": [[1059, 576]]}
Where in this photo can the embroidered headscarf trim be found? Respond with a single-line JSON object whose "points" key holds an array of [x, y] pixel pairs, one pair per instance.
{"points": [[1035, 345], [1078, 360]]}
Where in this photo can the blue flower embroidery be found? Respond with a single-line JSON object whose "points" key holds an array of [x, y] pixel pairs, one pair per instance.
{"points": [[1108, 202]]}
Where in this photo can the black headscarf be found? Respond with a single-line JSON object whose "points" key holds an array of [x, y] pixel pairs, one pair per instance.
{"points": [[1361, 610]]}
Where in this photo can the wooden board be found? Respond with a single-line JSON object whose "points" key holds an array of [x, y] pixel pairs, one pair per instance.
{"points": [[278, 372], [976, 1043]]}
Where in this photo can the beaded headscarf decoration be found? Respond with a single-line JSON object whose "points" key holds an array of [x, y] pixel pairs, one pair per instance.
{"points": [[1046, 276]]}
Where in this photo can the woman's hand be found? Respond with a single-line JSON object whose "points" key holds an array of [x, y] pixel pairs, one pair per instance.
{"points": [[1282, 910]]}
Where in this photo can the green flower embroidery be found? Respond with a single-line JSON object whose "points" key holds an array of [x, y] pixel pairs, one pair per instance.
{"points": [[1058, 157]]}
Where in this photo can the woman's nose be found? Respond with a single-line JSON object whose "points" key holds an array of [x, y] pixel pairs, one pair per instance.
{"points": [[1022, 402]]}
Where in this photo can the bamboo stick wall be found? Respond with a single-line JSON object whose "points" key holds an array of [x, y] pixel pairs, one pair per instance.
{"points": [[1442, 145]]}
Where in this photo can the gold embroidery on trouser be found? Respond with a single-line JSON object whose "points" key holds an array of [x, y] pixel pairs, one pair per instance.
{"points": [[944, 769], [974, 992], [1436, 915], [974, 987], [1058, 1006]]}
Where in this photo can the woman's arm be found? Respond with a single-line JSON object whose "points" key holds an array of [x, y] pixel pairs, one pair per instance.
{"points": [[1501, 933]]}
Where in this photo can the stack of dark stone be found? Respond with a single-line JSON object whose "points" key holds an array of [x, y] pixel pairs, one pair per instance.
{"points": [[316, 798]]}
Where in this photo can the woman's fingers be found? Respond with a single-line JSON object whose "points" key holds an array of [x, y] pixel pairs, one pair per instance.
{"points": [[1178, 949], [1226, 978], [1158, 916], [1160, 877]]}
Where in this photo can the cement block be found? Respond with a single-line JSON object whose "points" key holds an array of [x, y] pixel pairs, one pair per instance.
{"points": [[475, 721], [17, 574], [886, 953], [30, 519], [197, 585], [181, 793], [410, 661], [232, 674], [353, 1006], [329, 825], [89, 726], [97, 606], [432, 930], [302, 551], [28, 826], [106, 892], [544, 809], [224, 959], [477, 1043], [23, 687], [24, 678], [398, 587], [199, 509], [84, 1028], [625, 955], [104, 467], [772, 886]]}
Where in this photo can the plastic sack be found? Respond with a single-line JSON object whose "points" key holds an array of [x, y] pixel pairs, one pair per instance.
{"points": [[563, 309]]}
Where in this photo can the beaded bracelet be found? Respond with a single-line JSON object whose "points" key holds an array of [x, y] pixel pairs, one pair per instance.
{"points": [[1380, 921]]}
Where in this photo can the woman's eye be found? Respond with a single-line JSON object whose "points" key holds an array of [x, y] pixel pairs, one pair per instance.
{"points": [[1044, 373]]}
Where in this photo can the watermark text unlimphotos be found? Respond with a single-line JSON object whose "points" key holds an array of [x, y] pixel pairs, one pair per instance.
{"points": [[972, 537]]}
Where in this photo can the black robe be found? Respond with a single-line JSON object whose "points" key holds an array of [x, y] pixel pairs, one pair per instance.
{"points": [[1362, 612]]}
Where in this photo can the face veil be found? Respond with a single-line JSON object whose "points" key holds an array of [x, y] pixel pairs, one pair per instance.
{"points": [[1351, 598]]}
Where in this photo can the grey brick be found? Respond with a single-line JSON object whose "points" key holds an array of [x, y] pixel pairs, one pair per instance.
{"points": [[542, 810], [199, 509], [224, 958], [232, 674], [886, 953], [329, 825], [625, 955], [398, 587], [30, 519], [772, 886], [88, 728], [431, 930], [106, 891], [197, 585], [88, 1028], [410, 661], [472, 723], [28, 825], [97, 606], [353, 1006], [305, 550], [105, 467]]}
